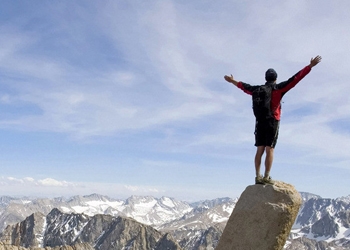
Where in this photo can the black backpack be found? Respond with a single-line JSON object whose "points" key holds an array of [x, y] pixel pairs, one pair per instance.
{"points": [[262, 102]]}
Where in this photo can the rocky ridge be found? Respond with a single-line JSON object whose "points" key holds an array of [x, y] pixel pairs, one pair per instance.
{"points": [[101, 232], [196, 225]]}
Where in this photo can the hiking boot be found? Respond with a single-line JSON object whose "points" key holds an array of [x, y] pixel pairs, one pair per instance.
{"points": [[259, 180], [268, 180]]}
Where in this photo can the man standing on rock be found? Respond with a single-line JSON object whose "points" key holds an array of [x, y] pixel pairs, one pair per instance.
{"points": [[267, 110]]}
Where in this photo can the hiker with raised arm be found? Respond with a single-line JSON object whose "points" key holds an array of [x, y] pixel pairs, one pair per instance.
{"points": [[266, 101]]}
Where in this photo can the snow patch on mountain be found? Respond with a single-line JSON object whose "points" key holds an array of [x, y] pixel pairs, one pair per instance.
{"points": [[345, 199]]}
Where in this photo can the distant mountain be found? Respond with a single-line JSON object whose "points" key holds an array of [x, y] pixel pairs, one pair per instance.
{"points": [[345, 199], [202, 218], [156, 212], [324, 220], [103, 232], [147, 210], [202, 227], [307, 196], [199, 225], [203, 215]]}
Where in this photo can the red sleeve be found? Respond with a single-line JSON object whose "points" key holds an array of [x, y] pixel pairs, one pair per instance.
{"points": [[291, 82], [247, 88]]}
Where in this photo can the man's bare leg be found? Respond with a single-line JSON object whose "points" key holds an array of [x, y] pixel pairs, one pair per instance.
{"points": [[259, 153], [268, 161]]}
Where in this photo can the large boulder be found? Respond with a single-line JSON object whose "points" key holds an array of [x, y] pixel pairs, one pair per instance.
{"points": [[262, 218]]}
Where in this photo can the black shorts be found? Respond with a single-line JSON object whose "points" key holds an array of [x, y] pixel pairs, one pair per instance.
{"points": [[266, 132]]}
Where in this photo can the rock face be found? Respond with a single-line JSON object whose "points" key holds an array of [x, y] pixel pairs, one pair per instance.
{"points": [[262, 218], [167, 242], [27, 232]]}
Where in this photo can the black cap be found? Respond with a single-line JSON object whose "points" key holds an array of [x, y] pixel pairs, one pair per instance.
{"points": [[270, 75]]}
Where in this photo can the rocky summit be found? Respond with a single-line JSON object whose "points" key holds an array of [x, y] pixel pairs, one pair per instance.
{"points": [[262, 218]]}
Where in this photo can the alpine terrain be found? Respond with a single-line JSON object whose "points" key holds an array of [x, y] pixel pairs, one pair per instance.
{"points": [[144, 222]]}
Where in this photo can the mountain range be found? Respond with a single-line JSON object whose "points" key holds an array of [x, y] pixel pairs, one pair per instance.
{"points": [[321, 223]]}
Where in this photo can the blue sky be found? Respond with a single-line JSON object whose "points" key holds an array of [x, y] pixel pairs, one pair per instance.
{"points": [[128, 98]]}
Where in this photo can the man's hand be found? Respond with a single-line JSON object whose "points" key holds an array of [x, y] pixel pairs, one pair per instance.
{"points": [[315, 61], [230, 79]]}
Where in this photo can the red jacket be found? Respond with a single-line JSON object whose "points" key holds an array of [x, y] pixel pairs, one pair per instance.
{"points": [[278, 90]]}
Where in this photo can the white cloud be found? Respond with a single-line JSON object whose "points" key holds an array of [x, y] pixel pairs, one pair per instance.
{"points": [[158, 68], [144, 190], [50, 187], [29, 181], [53, 183]]}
